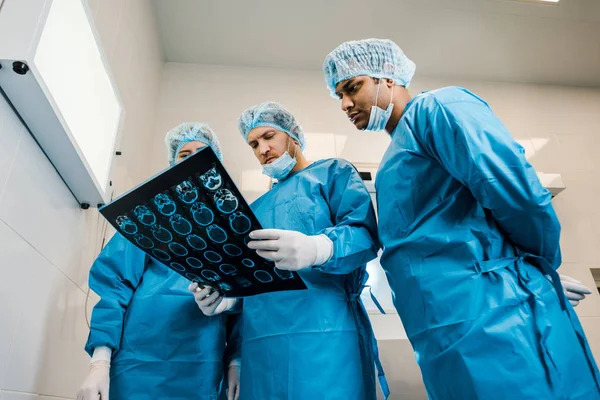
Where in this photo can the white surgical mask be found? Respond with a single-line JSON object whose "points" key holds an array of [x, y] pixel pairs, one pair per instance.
{"points": [[380, 117], [280, 168]]}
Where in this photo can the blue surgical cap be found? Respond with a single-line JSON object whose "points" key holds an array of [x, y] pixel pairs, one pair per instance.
{"points": [[377, 58], [191, 132], [274, 115]]}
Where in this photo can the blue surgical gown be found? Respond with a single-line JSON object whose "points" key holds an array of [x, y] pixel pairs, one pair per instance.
{"points": [[315, 343], [469, 235], [163, 346]]}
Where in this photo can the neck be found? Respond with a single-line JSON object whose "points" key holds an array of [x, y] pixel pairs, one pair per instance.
{"points": [[401, 98], [301, 161]]}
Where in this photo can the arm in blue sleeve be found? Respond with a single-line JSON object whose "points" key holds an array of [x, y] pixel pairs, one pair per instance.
{"points": [[114, 276], [354, 234], [233, 349], [477, 150]]}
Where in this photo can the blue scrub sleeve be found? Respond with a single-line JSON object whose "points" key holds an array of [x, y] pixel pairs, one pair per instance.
{"points": [[354, 234], [114, 276], [465, 136]]}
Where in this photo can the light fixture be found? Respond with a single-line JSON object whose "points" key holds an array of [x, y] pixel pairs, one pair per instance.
{"points": [[54, 73]]}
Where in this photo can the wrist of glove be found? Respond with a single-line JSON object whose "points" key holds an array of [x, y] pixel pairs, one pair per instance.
{"points": [[291, 250], [97, 382], [210, 301]]}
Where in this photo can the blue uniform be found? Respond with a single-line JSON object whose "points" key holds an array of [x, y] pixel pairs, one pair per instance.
{"points": [[469, 234], [163, 346], [315, 343]]}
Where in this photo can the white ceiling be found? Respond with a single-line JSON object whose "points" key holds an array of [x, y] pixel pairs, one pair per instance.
{"points": [[497, 40]]}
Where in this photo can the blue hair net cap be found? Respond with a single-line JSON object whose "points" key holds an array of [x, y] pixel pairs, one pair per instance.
{"points": [[191, 132], [274, 115], [377, 58]]}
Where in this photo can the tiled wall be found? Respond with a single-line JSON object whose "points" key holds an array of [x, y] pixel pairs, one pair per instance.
{"points": [[47, 243]]}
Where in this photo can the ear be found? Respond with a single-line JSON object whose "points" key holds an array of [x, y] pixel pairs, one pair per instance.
{"points": [[389, 83]]}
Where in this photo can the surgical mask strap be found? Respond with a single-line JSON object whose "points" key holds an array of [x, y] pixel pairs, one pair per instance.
{"points": [[377, 95]]}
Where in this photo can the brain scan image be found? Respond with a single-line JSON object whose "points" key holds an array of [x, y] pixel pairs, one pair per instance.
{"points": [[225, 287], [232, 250], [178, 249], [243, 282], [193, 277], [165, 204], [211, 180], [127, 225], [143, 241], [194, 262], [284, 274], [210, 275], [187, 192], [225, 201], [239, 223], [216, 234], [202, 214], [193, 219], [196, 242], [161, 255], [228, 269], [161, 234], [263, 276], [180, 224], [177, 267], [144, 215], [213, 257]]}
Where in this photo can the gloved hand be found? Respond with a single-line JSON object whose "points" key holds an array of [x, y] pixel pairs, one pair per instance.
{"points": [[96, 383], [210, 301], [291, 250], [233, 382], [574, 290]]}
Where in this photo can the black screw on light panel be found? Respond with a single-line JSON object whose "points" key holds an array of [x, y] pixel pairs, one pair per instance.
{"points": [[84, 206], [20, 67]]}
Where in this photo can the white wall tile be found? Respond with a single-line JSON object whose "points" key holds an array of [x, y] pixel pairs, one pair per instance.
{"points": [[47, 354], [8, 395], [16, 268], [39, 206]]}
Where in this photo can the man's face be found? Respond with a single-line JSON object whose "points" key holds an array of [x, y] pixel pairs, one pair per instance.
{"points": [[269, 144], [358, 96], [189, 148]]}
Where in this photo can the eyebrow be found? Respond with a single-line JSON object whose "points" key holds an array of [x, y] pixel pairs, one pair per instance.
{"points": [[345, 86], [261, 135]]}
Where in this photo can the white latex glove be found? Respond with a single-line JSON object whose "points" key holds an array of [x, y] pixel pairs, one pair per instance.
{"points": [[574, 290], [210, 301], [97, 382], [291, 250], [233, 382]]}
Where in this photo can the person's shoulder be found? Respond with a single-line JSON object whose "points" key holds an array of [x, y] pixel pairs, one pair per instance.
{"points": [[448, 96], [338, 163]]}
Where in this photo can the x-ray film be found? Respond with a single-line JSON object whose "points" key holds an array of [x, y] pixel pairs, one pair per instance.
{"points": [[193, 219]]}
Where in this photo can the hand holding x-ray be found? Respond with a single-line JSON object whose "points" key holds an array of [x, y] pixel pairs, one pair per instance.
{"points": [[209, 300]]}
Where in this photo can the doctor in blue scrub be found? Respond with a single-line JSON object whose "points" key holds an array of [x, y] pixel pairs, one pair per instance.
{"points": [[319, 221], [470, 239], [148, 340]]}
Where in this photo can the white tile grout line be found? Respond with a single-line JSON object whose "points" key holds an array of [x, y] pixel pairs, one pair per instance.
{"points": [[43, 256], [36, 394]]}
